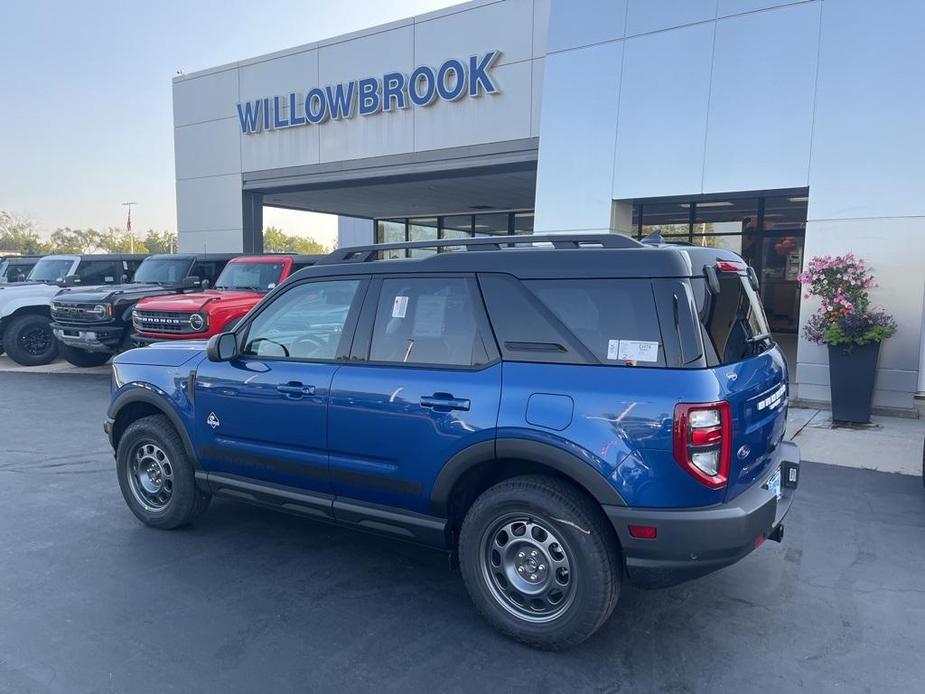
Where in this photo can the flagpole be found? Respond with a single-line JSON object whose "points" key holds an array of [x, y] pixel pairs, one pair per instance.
{"points": [[128, 225]]}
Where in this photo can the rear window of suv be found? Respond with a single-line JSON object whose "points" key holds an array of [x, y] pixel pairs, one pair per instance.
{"points": [[734, 325], [615, 319]]}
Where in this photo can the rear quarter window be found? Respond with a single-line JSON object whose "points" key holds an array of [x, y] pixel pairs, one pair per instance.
{"points": [[615, 319], [734, 324]]}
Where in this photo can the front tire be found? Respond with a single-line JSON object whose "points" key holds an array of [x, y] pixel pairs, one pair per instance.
{"points": [[540, 561], [29, 340], [83, 358], [156, 476]]}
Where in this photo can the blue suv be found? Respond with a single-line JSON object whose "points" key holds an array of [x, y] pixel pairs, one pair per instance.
{"points": [[562, 413]]}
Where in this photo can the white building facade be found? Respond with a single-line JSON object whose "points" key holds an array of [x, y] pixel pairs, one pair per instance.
{"points": [[779, 129]]}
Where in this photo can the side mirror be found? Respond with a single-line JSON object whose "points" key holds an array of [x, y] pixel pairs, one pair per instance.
{"points": [[204, 284], [189, 282], [71, 280], [124, 278], [222, 347]]}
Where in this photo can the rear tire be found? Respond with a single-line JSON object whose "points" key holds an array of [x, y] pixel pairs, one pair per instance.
{"points": [[29, 340], [83, 358], [156, 476], [540, 561]]}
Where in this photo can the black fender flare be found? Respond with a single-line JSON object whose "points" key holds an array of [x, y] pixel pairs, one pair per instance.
{"points": [[150, 397], [563, 462]]}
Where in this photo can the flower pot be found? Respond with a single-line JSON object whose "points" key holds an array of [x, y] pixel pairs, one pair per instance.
{"points": [[852, 373]]}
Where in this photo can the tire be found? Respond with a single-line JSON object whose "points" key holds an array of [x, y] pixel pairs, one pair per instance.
{"points": [[577, 538], [154, 445], [29, 340], [83, 358]]}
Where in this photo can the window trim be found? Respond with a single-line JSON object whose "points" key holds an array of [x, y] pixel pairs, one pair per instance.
{"points": [[242, 329], [363, 337]]}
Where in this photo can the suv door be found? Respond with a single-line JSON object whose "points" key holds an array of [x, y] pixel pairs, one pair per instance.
{"points": [[423, 383], [264, 414]]}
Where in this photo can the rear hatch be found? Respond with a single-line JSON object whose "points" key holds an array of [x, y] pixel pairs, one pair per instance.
{"points": [[751, 372]]}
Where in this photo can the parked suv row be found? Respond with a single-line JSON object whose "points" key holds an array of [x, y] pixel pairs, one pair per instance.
{"points": [[95, 323], [561, 418], [25, 313], [242, 284]]}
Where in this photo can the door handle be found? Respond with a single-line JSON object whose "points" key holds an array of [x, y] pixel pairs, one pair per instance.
{"points": [[295, 388], [444, 402]]}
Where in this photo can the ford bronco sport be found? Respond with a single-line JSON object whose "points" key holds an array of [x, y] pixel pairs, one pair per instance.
{"points": [[562, 417], [242, 284], [25, 320], [94, 324]]}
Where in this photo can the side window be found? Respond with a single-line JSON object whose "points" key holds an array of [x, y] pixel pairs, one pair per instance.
{"points": [[99, 272], [616, 319], [205, 271], [306, 322], [129, 267], [428, 321]]}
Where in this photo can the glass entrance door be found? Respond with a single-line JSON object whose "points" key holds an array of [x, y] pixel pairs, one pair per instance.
{"points": [[777, 257]]}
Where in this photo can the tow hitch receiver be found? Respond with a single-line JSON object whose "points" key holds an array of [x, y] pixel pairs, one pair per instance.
{"points": [[778, 534]]}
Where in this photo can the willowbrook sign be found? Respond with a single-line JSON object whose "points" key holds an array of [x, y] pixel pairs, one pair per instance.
{"points": [[452, 81]]}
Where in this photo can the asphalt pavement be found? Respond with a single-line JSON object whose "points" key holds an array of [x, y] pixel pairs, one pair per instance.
{"points": [[249, 600]]}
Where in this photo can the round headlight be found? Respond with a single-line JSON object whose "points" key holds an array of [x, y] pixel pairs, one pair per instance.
{"points": [[101, 310], [197, 322]]}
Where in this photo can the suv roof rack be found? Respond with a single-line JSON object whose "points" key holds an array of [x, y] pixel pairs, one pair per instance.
{"points": [[365, 254]]}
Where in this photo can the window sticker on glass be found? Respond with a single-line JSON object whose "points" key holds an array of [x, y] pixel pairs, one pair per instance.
{"points": [[632, 350], [400, 307], [430, 316]]}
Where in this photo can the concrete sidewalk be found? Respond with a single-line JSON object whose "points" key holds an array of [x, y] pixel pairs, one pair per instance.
{"points": [[888, 444]]}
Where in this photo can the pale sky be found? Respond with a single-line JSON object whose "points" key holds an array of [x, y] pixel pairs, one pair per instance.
{"points": [[86, 120]]}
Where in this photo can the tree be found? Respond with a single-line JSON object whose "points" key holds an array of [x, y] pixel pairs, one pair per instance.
{"points": [[277, 241], [76, 241], [18, 235], [160, 241], [116, 240]]}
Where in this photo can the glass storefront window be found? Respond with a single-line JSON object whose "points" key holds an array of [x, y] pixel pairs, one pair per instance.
{"points": [[733, 216], [787, 212], [424, 229], [457, 226], [391, 231], [523, 222], [668, 219], [491, 224]]}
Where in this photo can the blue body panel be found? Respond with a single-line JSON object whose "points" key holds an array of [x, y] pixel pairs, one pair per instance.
{"points": [[621, 424], [379, 434], [388, 448], [259, 431]]}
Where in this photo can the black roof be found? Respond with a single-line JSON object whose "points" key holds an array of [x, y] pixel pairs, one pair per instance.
{"points": [[109, 256], [585, 255], [20, 259], [195, 256]]}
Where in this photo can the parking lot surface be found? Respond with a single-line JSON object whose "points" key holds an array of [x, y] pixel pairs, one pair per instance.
{"points": [[248, 600]]}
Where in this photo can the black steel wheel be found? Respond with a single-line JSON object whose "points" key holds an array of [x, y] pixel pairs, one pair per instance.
{"points": [[156, 475], [29, 340], [540, 561]]}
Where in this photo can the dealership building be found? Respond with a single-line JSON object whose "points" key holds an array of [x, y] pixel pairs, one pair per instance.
{"points": [[778, 129]]}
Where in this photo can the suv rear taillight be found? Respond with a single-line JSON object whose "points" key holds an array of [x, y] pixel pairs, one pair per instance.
{"points": [[703, 441]]}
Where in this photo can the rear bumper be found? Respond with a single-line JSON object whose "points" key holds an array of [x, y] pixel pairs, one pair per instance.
{"points": [[693, 543], [103, 338]]}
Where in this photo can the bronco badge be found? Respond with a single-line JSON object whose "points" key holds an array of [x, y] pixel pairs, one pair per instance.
{"points": [[212, 421]]}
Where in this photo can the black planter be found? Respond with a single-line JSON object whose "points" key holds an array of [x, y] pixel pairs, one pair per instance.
{"points": [[852, 372]]}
